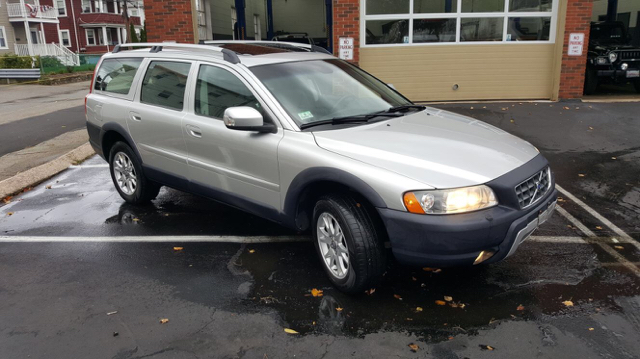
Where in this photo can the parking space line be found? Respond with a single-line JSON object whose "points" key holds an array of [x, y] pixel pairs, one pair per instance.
{"points": [[90, 166], [157, 239], [625, 238], [592, 239]]}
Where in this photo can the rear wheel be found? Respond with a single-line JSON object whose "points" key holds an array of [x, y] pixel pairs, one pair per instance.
{"points": [[349, 244], [127, 176], [590, 82]]}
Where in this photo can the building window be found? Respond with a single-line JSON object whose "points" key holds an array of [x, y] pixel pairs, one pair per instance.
{"points": [[3, 38], [91, 37], [62, 7], [86, 6], [234, 20], [418, 22], [65, 38], [257, 29]]}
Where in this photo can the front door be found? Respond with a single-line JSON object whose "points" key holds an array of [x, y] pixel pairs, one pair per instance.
{"points": [[155, 121], [240, 167]]}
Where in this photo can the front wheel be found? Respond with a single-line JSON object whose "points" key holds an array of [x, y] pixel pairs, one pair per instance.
{"points": [[636, 84], [127, 176], [349, 243]]}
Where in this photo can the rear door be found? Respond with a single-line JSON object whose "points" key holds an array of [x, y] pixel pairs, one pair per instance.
{"points": [[232, 163], [155, 120]]}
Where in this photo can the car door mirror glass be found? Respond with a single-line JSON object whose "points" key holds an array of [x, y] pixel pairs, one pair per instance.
{"points": [[246, 118]]}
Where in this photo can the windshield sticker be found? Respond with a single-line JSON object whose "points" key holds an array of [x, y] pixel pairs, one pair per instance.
{"points": [[305, 115]]}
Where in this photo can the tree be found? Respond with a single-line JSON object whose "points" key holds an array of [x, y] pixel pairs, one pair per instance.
{"points": [[132, 31], [143, 34]]}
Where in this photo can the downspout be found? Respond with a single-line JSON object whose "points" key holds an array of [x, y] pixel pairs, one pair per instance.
{"points": [[269, 19], [75, 27]]}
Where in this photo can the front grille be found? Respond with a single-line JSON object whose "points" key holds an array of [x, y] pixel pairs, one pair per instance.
{"points": [[629, 55], [534, 188]]}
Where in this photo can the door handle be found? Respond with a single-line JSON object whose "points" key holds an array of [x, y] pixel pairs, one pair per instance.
{"points": [[194, 131], [135, 116]]}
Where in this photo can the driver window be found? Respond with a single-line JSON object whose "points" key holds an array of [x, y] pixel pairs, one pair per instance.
{"points": [[218, 89]]}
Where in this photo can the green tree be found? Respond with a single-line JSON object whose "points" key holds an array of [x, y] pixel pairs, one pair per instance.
{"points": [[143, 34], [134, 36]]}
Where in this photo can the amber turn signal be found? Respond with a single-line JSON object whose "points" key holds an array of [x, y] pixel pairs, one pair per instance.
{"points": [[412, 204]]}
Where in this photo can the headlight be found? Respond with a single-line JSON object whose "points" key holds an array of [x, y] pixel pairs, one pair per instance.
{"points": [[602, 60], [624, 66], [613, 57], [448, 201]]}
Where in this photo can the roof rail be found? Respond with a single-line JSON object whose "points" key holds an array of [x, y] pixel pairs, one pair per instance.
{"points": [[310, 47], [156, 47]]}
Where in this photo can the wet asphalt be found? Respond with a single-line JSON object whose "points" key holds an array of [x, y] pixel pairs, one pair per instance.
{"points": [[555, 298]]}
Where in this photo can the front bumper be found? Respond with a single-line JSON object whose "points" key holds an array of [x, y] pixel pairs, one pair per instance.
{"points": [[457, 240]]}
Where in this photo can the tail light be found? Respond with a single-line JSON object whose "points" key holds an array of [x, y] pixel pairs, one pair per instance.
{"points": [[93, 79]]}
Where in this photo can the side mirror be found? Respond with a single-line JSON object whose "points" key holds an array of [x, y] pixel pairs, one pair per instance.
{"points": [[246, 119]]}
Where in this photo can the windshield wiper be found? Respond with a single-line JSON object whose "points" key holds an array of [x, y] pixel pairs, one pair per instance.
{"points": [[349, 119], [406, 107]]}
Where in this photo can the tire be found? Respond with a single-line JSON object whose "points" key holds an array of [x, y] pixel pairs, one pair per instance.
{"points": [[590, 82], [636, 84], [127, 176], [362, 237]]}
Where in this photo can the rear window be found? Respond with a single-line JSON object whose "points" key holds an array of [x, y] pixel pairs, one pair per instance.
{"points": [[116, 75], [164, 84]]}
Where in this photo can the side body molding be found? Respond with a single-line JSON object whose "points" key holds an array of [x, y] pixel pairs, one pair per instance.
{"points": [[318, 175]]}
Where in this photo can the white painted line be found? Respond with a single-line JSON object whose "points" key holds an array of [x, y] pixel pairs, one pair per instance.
{"points": [[625, 238], [559, 239], [90, 166], [612, 252], [157, 239]]}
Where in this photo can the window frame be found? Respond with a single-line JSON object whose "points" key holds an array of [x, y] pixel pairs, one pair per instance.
{"points": [[95, 38], [64, 7], [459, 15], [187, 101], [3, 31], [68, 38]]}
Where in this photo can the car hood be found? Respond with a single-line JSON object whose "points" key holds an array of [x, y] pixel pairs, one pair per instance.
{"points": [[435, 147]]}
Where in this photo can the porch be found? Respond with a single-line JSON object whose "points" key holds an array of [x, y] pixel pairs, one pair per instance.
{"points": [[31, 10]]}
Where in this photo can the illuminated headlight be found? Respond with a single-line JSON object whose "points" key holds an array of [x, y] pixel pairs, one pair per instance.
{"points": [[624, 66], [602, 60], [448, 201], [613, 57]]}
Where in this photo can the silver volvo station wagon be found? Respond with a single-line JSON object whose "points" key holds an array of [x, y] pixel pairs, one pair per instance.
{"points": [[290, 133]]}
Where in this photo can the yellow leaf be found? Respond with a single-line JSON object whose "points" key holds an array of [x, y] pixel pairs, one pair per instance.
{"points": [[441, 302], [316, 293], [414, 347], [10, 214], [618, 247], [178, 248], [448, 298], [486, 347], [427, 269], [614, 158], [418, 309], [48, 187], [290, 331], [580, 174], [591, 329], [370, 291], [437, 270], [598, 227], [591, 128], [136, 219], [339, 309], [520, 307], [568, 303], [252, 251], [164, 321]]}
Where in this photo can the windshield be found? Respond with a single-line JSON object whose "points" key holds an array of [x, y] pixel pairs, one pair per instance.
{"points": [[313, 91], [608, 33]]}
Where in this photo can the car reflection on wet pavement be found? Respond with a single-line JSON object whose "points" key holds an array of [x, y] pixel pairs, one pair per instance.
{"points": [[559, 296]]}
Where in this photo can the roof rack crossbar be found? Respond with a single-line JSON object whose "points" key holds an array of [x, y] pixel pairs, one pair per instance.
{"points": [[310, 47], [156, 47]]}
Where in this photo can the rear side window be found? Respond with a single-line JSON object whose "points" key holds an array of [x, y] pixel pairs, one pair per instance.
{"points": [[164, 84], [218, 89], [116, 75]]}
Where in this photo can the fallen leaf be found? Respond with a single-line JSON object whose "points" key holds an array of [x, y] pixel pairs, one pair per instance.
{"points": [[437, 270], [252, 251], [414, 347], [513, 121], [486, 347], [409, 319], [448, 298], [568, 303], [453, 305], [115, 334], [10, 214], [441, 302], [598, 227], [414, 279], [565, 108], [418, 309], [580, 174], [177, 249], [112, 313], [397, 297], [7, 199], [591, 329], [450, 338], [290, 331], [370, 291], [484, 106], [591, 128], [427, 269], [520, 307], [471, 107], [614, 158], [48, 187], [316, 293], [136, 219], [618, 247], [164, 321], [339, 309], [505, 108]]}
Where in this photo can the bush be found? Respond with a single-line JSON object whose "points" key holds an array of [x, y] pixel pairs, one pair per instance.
{"points": [[10, 61], [50, 62]]}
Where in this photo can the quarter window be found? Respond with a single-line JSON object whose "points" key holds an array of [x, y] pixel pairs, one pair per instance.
{"points": [[389, 22], [164, 84], [116, 75], [218, 89]]}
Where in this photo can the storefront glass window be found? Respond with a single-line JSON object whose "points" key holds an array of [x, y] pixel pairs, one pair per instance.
{"points": [[385, 7], [434, 30], [482, 5], [528, 29], [387, 32], [530, 5], [435, 6], [481, 29]]}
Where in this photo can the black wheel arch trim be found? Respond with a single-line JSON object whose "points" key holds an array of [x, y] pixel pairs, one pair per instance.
{"points": [[119, 129], [315, 175]]}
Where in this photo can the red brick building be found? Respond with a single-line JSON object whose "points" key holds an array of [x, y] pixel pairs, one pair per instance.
{"points": [[430, 50]]}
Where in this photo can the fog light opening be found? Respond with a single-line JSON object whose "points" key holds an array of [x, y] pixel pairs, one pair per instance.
{"points": [[483, 256]]}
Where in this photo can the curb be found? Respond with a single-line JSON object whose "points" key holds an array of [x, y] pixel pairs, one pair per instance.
{"points": [[38, 174]]}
